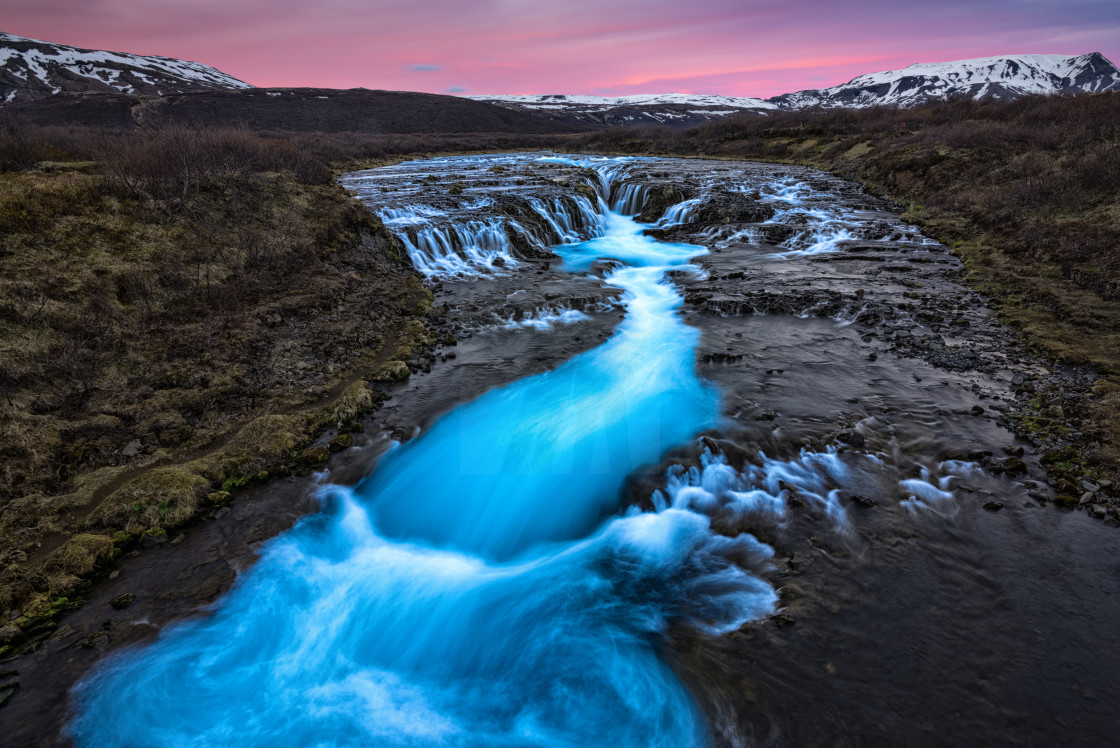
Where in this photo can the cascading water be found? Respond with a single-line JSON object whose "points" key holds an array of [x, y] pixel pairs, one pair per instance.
{"points": [[680, 213], [475, 590]]}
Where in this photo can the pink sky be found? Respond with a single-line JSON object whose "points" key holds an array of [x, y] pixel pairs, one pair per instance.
{"points": [[733, 47]]}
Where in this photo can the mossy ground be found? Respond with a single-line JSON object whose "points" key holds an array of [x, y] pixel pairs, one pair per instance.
{"points": [[160, 347]]}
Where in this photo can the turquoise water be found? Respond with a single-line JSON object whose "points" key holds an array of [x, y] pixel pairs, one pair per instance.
{"points": [[480, 588]]}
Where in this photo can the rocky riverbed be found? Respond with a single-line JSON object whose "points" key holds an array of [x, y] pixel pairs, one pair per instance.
{"points": [[934, 586]]}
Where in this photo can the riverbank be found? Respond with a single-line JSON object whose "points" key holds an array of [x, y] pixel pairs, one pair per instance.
{"points": [[185, 313], [1024, 192], [893, 351]]}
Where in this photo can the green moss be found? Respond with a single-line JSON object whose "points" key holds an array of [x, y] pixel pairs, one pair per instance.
{"points": [[340, 442], [219, 498], [391, 371]]}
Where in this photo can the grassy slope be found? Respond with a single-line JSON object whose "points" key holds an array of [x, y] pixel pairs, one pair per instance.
{"points": [[180, 313], [1027, 193]]}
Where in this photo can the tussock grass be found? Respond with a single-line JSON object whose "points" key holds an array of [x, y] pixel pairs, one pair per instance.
{"points": [[181, 311]]}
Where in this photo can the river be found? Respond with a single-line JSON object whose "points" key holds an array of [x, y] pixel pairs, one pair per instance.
{"points": [[738, 502]]}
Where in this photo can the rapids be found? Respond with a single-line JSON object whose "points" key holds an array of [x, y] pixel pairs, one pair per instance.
{"points": [[480, 587], [644, 461]]}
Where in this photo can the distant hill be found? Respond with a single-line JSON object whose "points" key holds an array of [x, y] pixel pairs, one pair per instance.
{"points": [[32, 69], [294, 109], [989, 77], [675, 110]]}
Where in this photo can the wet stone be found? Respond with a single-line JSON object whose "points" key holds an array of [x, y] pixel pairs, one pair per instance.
{"points": [[122, 601]]}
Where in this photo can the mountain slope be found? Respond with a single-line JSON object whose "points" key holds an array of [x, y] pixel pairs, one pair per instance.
{"points": [[989, 77], [291, 109], [32, 69], [675, 110]]}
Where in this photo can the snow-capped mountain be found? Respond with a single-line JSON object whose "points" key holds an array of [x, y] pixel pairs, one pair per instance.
{"points": [[988, 77], [674, 109], [31, 69], [996, 77]]}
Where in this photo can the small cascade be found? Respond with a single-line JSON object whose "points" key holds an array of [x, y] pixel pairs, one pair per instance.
{"points": [[824, 239], [681, 213], [629, 199], [467, 249], [546, 318], [572, 219], [408, 215]]}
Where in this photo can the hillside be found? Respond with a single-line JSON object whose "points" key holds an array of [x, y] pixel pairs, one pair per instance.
{"points": [[291, 109], [32, 69], [672, 110]]}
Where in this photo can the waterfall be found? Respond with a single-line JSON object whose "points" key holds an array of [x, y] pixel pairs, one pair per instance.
{"points": [[629, 199], [680, 213], [484, 586], [467, 249]]}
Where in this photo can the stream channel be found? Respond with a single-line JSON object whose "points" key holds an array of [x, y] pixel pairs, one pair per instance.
{"points": [[707, 465]]}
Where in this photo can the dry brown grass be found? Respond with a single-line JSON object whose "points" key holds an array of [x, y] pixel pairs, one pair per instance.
{"points": [[180, 310]]}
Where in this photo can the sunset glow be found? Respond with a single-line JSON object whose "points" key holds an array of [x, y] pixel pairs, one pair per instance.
{"points": [[516, 46]]}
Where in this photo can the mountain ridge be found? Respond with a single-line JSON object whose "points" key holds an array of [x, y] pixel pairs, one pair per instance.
{"points": [[1000, 77], [33, 69]]}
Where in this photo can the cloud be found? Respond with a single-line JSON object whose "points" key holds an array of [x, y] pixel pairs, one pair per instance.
{"points": [[423, 68], [455, 89]]}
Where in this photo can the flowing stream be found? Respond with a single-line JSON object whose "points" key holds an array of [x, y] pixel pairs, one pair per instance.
{"points": [[583, 555], [479, 589]]}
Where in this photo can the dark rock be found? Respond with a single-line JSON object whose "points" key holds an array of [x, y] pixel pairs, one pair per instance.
{"points": [[340, 442], [1011, 466], [993, 506], [783, 619], [95, 639], [314, 456], [862, 500], [852, 438], [1013, 450], [7, 691], [122, 601], [977, 410], [152, 537], [660, 200], [732, 208], [1065, 486]]}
